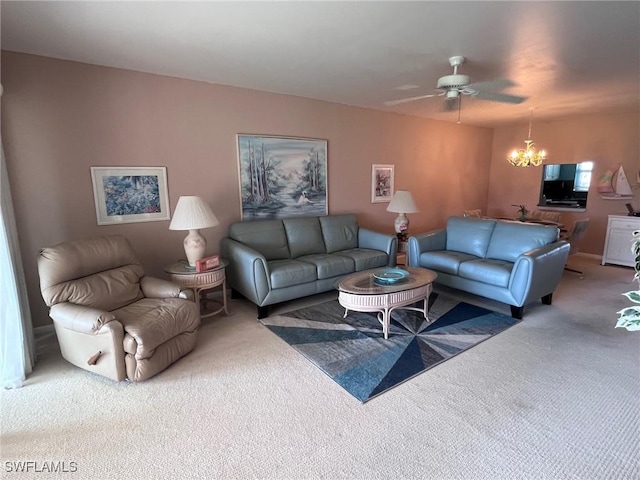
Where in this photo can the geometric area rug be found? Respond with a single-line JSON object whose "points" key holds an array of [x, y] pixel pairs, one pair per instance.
{"points": [[354, 354]]}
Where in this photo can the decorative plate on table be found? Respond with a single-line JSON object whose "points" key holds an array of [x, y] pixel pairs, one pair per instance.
{"points": [[390, 276]]}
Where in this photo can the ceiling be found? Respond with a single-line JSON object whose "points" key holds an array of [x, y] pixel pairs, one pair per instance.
{"points": [[566, 57]]}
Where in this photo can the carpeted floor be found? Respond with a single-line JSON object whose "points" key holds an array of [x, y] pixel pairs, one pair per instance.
{"points": [[555, 397], [354, 354]]}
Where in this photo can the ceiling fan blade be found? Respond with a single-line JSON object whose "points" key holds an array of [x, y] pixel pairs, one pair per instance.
{"points": [[499, 97], [411, 99], [492, 85]]}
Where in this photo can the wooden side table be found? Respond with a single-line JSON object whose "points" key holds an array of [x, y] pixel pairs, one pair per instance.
{"points": [[186, 277], [402, 255]]}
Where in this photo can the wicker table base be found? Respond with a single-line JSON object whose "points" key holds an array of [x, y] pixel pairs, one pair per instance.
{"points": [[199, 282], [359, 293]]}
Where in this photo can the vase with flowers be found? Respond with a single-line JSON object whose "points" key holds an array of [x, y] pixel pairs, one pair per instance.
{"points": [[522, 210]]}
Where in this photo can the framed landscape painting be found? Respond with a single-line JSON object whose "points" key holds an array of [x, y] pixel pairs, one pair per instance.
{"points": [[130, 194], [381, 183], [282, 176]]}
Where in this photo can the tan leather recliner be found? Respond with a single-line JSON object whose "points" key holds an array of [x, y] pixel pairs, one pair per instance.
{"points": [[110, 319]]}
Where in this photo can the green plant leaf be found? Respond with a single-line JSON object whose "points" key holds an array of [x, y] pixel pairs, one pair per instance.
{"points": [[630, 316], [634, 296], [631, 325], [630, 313]]}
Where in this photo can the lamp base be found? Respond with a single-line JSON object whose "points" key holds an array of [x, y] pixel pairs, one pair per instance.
{"points": [[194, 247], [401, 224]]}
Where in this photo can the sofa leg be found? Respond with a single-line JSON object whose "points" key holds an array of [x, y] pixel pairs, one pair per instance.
{"points": [[263, 311], [547, 299], [516, 312]]}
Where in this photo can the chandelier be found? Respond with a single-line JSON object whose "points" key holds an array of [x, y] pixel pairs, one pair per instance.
{"points": [[527, 156]]}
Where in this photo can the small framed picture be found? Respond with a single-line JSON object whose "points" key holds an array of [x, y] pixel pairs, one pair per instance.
{"points": [[381, 183], [130, 194]]}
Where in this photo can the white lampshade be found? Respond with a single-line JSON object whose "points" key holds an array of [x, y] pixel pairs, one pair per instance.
{"points": [[402, 203], [192, 213]]}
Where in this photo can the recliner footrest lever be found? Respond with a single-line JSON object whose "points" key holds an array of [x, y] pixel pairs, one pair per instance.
{"points": [[94, 359]]}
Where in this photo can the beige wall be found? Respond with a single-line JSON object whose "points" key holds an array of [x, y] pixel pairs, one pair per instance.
{"points": [[59, 118], [607, 139]]}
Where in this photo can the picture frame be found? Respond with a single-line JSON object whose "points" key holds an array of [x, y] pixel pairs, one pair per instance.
{"points": [[282, 177], [382, 183], [130, 194]]}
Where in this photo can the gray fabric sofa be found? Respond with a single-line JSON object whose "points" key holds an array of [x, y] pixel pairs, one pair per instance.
{"points": [[272, 261], [511, 262]]}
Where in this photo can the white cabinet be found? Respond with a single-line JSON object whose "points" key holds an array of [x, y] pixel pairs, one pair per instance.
{"points": [[617, 246]]}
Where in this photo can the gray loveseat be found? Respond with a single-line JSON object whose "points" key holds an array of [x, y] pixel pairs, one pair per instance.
{"points": [[511, 262], [272, 261]]}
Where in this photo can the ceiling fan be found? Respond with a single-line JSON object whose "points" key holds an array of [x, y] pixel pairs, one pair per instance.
{"points": [[453, 87]]}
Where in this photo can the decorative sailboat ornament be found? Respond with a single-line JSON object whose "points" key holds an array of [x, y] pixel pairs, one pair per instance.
{"points": [[613, 185]]}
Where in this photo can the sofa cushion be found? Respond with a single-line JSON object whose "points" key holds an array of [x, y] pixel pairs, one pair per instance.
{"points": [[492, 272], [469, 235], [510, 240], [265, 236], [340, 232], [444, 261], [329, 266], [365, 258], [286, 273], [304, 236]]}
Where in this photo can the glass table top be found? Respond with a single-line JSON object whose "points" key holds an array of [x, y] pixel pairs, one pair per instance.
{"points": [[362, 283], [183, 268]]}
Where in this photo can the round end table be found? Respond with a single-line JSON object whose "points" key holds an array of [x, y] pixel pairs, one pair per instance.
{"points": [[187, 277]]}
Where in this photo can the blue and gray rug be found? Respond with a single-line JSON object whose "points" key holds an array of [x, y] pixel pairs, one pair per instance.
{"points": [[353, 352]]}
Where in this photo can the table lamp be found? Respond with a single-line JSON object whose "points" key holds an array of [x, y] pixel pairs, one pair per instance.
{"points": [[402, 203], [192, 213]]}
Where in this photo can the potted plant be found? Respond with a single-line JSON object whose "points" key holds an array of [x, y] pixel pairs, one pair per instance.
{"points": [[522, 210], [630, 316]]}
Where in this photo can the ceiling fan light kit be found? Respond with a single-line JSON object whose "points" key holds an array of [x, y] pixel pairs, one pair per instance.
{"points": [[526, 157]]}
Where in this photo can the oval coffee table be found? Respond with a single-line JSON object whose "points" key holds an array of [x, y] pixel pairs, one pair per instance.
{"points": [[358, 292]]}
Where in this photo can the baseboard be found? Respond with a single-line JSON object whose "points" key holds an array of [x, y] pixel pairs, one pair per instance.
{"points": [[45, 339], [589, 255], [43, 330]]}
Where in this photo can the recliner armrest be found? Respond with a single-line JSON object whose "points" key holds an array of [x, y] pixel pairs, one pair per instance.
{"points": [[80, 319], [157, 288]]}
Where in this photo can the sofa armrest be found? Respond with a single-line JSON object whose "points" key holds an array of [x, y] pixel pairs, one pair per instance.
{"points": [[536, 273], [80, 319], [379, 241], [248, 270], [426, 242], [157, 288]]}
